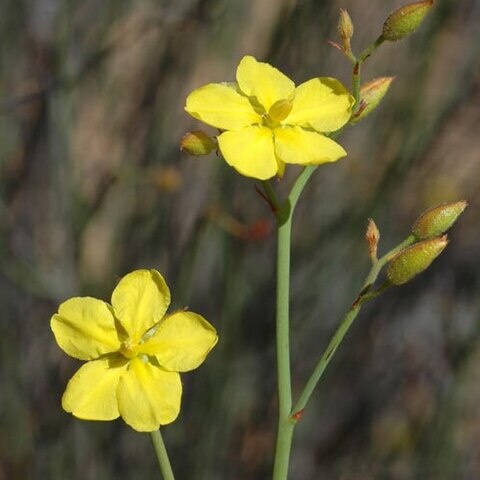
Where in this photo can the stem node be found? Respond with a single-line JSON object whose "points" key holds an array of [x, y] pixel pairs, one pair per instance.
{"points": [[297, 416]]}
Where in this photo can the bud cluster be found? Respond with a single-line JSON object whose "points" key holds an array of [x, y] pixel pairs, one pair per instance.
{"points": [[429, 231], [398, 25]]}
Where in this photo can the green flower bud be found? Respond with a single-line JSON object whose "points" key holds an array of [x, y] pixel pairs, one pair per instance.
{"points": [[437, 220], [413, 260], [371, 94], [197, 143], [405, 20]]}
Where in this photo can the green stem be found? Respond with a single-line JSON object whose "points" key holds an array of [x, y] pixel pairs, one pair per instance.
{"points": [[357, 71], [287, 417], [345, 325], [370, 49], [356, 75], [285, 428], [299, 185], [284, 214], [380, 263], [271, 195], [285, 423], [162, 455]]}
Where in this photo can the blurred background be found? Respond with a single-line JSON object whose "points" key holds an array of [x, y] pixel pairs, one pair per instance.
{"points": [[93, 185]]}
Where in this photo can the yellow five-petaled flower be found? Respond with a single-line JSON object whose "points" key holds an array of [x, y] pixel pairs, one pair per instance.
{"points": [[267, 122], [134, 352]]}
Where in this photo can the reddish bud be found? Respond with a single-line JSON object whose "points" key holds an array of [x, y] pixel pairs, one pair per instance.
{"points": [[345, 29], [373, 236]]}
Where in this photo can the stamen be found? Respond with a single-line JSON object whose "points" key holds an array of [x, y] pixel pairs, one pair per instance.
{"points": [[128, 350]]}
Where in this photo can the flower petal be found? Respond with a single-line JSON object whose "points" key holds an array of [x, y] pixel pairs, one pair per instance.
{"points": [[139, 301], [221, 106], [84, 328], [91, 392], [295, 145], [323, 104], [261, 80], [281, 168], [148, 396], [250, 151], [181, 342]]}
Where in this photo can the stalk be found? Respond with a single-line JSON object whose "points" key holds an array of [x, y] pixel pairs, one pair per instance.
{"points": [[162, 455]]}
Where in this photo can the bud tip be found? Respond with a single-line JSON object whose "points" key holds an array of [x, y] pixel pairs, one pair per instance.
{"points": [[438, 219]]}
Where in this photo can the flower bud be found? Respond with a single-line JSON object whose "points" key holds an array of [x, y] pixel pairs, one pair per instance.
{"points": [[373, 236], [413, 260], [437, 220], [345, 28], [371, 94], [197, 143], [405, 20]]}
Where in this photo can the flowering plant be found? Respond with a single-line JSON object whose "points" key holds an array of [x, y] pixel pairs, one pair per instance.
{"points": [[134, 352]]}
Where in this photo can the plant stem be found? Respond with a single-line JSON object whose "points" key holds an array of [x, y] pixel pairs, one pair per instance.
{"points": [[285, 428], [299, 185], [287, 417], [271, 195], [357, 71], [370, 49], [379, 264], [285, 423], [162, 455], [356, 75], [345, 325]]}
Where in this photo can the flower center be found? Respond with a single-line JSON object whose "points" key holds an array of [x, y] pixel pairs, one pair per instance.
{"points": [[128, 349], [278, 111]]}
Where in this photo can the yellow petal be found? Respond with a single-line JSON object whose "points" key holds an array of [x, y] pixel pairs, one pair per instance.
{"points": [[281, 168], [148, 396], [84, 328], [139, 301], [323, 104], [91, 392], [261, 80], [221, 106], [181, 342], [250, 151], [295, 145]]}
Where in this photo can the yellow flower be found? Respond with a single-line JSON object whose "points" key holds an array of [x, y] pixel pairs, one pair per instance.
{"points": [[134, 352], [267, 122]]}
